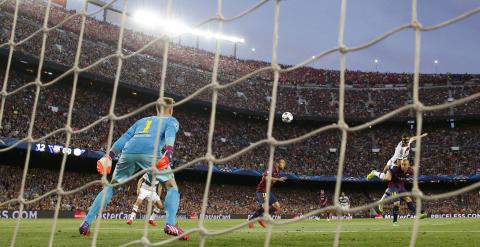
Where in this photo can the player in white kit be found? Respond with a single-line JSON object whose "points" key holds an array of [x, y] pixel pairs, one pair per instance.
{"points": [[145, 189], [402, 152], [344, 203]]}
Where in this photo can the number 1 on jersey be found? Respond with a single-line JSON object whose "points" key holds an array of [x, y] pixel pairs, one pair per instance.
{"points": [[147, 127]]}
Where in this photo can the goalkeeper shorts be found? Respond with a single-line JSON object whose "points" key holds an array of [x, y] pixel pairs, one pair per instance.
{"points": [[129, 164]]}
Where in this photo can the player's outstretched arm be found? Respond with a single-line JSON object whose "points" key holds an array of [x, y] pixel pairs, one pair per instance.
{"points": [[104, 164], [414, 138]]}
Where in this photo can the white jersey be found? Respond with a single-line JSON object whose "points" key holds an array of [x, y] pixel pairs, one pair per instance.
{"points": [[344, 201], [147, 185], [401, 153], [149, 190]]}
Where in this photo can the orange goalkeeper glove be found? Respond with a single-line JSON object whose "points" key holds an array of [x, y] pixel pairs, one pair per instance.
{"points": [[105, 163], [167, 158]]}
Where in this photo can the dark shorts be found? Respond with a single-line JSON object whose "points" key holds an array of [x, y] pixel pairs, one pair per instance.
{"points": [[394, 192], [261, 198]]}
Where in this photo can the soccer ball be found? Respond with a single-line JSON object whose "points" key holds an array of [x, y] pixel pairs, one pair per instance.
{"points": [[287, 117]]}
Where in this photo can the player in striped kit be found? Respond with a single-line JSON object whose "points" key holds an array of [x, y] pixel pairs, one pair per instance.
{"points": [[136, 150], [324, 204], [147, 189], [395, 172], [261, 193]]}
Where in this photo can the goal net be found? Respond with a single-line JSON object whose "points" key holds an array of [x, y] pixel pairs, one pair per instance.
{"points": [[120, 58]]}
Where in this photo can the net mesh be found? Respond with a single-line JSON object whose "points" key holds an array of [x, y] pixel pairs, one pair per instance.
{"points": [[215, 87]]}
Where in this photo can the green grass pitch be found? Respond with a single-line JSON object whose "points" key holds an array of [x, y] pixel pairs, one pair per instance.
{"points": [[356, 232]]}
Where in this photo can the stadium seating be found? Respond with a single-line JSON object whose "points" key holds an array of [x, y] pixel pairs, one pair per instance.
{"points": [[308, 91], [313, 156], [225, 199], [304, 92]]}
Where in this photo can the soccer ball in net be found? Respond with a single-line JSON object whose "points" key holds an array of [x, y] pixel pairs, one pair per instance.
{"points": [[287, 117]]}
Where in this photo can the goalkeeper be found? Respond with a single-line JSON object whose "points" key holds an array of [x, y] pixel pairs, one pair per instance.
{"points": [[135, 148]]}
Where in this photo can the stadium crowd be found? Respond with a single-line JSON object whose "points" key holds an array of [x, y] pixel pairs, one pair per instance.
{"points": [[317, 155], [224, 198], [305, 91]]}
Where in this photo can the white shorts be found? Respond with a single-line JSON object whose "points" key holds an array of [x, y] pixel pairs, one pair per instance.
{"points": [[150, 195], [345, 207]]}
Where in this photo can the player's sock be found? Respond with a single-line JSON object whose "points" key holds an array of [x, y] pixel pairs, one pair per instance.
{"points": [[412, 207], [95, 208], [172, 201], [258, 213], [395, 210], [380, 175], [134, 212], [156, 211]]}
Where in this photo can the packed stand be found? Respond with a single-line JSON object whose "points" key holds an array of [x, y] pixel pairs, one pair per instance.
{"points": [[224, 198], [305, 91], [316, 155]]}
